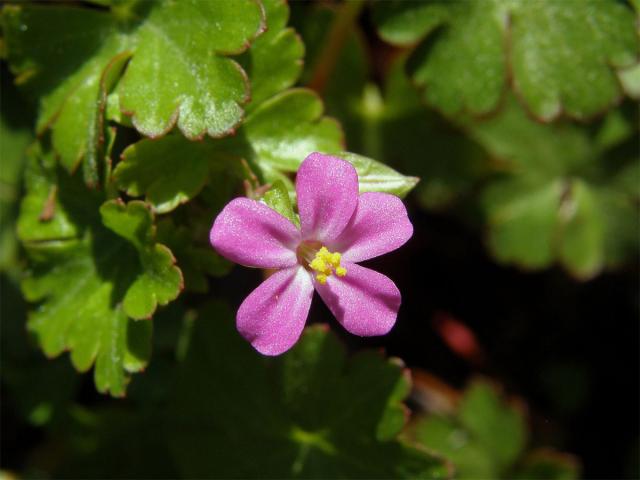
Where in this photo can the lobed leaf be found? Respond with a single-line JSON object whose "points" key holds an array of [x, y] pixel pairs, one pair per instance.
{"points": [[274, 61], [311, 413], [531, 177], [444, 435], [160, 280], [391, 123], [558, 199], [286, 128], [66, 74], [522, 219], [178, 73], [276, 137], [563, 57], [483, 438], [498, 427], [169, 171], [91, 279]]}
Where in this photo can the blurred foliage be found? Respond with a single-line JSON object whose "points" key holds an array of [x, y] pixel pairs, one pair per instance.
{"points": [[564, 193], [126, 126], [562, 57], [15, 135], [560, 192], [485, 437]]}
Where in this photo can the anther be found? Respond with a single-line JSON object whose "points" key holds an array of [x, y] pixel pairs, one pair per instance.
{"points": [[325, 263]]}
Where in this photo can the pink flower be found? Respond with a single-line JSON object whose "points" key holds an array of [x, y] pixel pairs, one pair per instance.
{"points": [[338, 228]]}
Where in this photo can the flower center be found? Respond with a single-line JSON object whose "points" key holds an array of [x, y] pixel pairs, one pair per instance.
{"points": [[315, 256]]}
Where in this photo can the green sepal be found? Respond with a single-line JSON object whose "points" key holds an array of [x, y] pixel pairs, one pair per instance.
{"points": [[277, 197], [374, 176]]}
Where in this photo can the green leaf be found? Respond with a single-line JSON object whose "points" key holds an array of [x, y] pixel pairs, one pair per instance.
{"points": [[277, 197], [374, 176], [499, 427], [583, 231], [88, 281], [70, 78], [194, 255], [559, 195], [614, 130], [160, 281], [274, 61], [75, 291], [464, 68], [281, 132], [445, 436], [548, 465], [564, 55], [42, 217], [391, 124], [311, 413], [469, 46], [522, 218], [179, 74], [276, 137], [582, 227], [483, 438], [630, 79], [402, 23], [15, 136], [522, 145], [176, 75], [169, 171]]}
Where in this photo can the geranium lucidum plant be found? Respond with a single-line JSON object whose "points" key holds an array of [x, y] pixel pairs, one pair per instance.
{"points": [[338, 227]]}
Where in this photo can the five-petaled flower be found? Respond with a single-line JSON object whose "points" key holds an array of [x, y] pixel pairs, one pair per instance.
{"points": [[338, 227]]}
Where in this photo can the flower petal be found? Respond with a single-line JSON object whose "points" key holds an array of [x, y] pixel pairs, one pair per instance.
{"points": [[273, 315], [379, 225], [327, 189], [252, 234], [365, 302]]}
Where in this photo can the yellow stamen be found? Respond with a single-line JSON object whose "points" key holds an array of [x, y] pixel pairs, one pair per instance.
{"points": [[318, 264], [325, 263]]}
